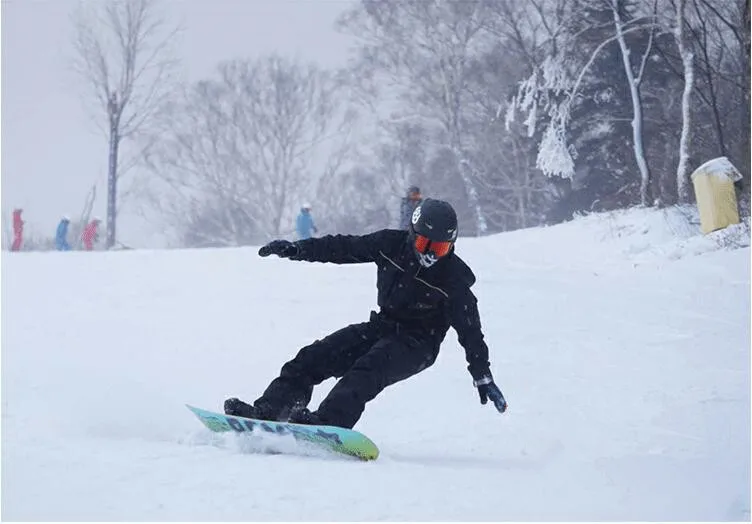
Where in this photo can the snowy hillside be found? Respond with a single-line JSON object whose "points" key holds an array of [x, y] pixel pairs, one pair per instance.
{"points": [[621, 341]]}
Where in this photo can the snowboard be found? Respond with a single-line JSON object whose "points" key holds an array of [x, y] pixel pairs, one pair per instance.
{"points": [[338, 440]]}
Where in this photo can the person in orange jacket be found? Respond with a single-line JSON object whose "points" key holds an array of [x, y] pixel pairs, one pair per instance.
{"points": [[90, 234], [18, 224]]}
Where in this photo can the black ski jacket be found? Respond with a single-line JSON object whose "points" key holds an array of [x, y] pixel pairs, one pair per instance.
{"points": [[424, 302]]}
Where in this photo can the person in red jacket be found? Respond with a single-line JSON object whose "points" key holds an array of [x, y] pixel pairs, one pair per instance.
{"points": [[18, 224], [90, 234]]}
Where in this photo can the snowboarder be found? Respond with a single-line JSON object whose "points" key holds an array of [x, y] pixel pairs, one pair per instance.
{"points": [[304, 223], [18, 226], [408, 205], [90, 234], [61, 235], [423, 289]]}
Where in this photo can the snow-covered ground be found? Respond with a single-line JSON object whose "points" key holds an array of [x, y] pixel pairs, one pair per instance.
{"points": [[621, 341]]}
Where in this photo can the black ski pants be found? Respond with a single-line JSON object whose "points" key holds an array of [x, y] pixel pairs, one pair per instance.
{"points": [[368, 357]]}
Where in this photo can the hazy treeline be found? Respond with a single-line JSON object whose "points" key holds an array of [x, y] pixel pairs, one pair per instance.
{"points": [[520, 113]]}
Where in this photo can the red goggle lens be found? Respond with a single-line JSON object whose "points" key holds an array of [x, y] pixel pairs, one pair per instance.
{"points": [[424, 245]]}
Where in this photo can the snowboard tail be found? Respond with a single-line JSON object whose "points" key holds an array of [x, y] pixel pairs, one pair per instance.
{"points": [[340, 440]]}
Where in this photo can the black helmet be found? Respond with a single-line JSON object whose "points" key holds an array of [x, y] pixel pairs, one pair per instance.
{"points": [[433, 230]]}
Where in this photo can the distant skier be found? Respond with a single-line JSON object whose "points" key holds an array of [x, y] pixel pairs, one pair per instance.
{"points": [[408, 205], [61, 235], [423, 289], [304, 225], [90, 234], [18, 226]]}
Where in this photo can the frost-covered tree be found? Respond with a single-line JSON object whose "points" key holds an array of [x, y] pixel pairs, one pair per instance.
{"points": [[562, 84], [513, 192], [635, 70], [687, 60], [715, 112]]}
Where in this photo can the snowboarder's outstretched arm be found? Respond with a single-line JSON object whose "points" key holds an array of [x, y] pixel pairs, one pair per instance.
{"points": [[465, 319], [337, 249]]}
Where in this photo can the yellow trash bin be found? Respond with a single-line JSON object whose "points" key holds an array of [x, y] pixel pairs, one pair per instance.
{"points": [[714, 190]]}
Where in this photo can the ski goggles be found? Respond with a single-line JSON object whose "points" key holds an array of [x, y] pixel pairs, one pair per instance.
{"points": [[424, 245]]}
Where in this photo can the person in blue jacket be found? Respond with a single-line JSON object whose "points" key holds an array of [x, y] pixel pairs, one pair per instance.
{"points": [[61, 236], [304, 223]]}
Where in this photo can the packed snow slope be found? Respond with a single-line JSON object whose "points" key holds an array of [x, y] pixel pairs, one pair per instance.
{"points": [[621, 341]]}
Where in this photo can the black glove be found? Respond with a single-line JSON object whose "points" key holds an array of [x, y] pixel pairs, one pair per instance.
{"points": [[281, 248], [487, 389]]}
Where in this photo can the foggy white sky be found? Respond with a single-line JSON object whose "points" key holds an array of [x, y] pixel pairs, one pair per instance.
{"points": [[51, 151]]}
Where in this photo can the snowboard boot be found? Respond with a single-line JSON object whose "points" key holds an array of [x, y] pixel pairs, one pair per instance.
{"points": [[238, 408], [302, 415]]}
